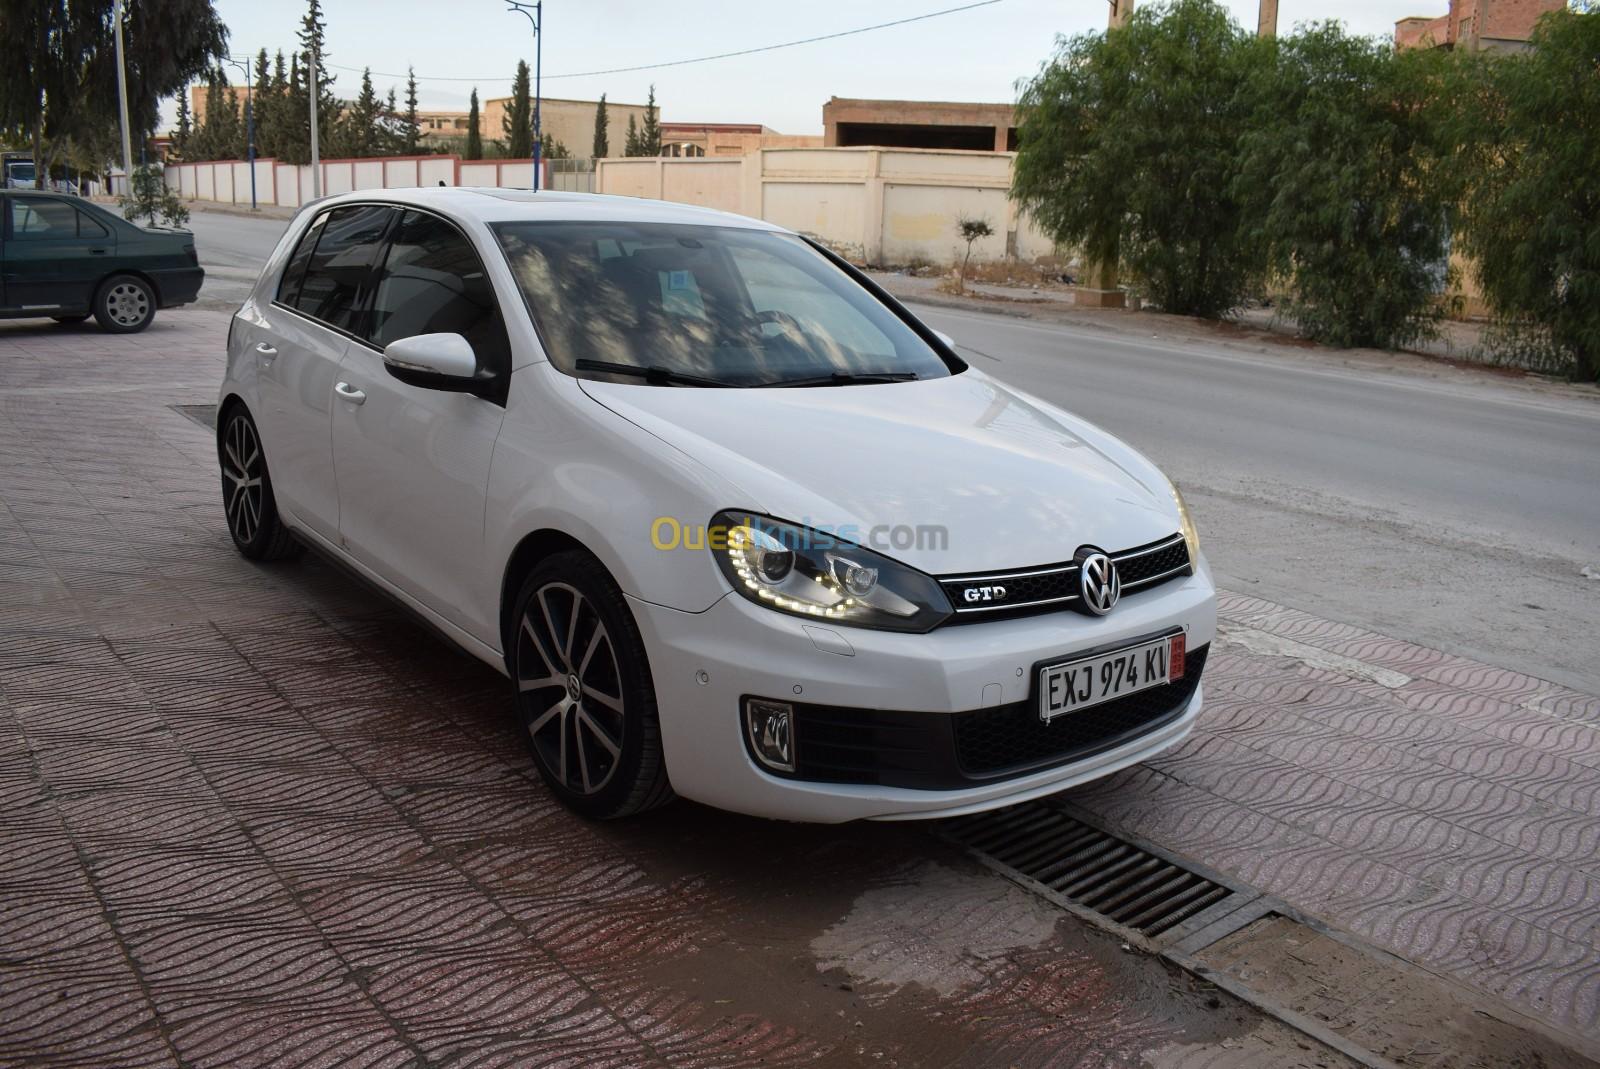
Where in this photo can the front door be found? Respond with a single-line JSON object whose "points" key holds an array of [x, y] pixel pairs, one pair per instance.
{"points": [[55, 254], [298, 342], [414, 463]]}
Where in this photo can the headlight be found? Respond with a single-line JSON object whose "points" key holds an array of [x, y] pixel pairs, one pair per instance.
{"points": [[1191, 537], [817, 576]]}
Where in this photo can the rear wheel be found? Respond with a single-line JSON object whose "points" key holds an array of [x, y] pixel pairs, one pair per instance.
{"points": [[125, 304], [247, 498], [585, 699]]}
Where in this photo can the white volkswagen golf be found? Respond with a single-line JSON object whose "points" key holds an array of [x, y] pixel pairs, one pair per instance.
{"points": [[735, 524]]}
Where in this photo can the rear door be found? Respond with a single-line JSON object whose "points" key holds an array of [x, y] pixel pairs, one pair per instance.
{"points": [[414, 463], [55, 254], [297, 347]]}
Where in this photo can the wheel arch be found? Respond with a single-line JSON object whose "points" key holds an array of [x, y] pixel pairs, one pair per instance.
{"points": [[155, 287], [533, 548]]}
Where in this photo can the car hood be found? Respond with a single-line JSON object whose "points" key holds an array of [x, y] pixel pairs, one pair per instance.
{"points": [[948, 475]]}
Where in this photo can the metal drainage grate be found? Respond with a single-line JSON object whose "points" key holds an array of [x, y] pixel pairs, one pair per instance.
{"points": [[1093, 869], [205, 415]]}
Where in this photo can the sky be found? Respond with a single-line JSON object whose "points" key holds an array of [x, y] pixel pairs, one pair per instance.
{"points": [[972, 55]]}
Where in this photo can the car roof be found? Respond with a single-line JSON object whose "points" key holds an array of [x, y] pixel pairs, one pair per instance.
{"points": [[497, 205]]}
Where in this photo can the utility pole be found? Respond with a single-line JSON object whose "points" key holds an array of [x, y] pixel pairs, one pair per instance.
{"points": [[316, 156], [535, 13], [1120, 10], [122, 101], [249, 125]]}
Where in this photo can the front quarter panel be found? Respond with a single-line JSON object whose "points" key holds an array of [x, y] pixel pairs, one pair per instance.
{"points": [[568, 463]]}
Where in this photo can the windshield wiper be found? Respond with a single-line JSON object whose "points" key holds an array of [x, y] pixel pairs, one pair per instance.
{"points": [[844, 378], [654, 374]]}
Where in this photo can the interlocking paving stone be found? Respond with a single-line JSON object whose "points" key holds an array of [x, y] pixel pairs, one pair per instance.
{"points": [[254, 815]]}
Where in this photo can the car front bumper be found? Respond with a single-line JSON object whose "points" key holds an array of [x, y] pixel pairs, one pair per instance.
{"points": [[703, 664]]}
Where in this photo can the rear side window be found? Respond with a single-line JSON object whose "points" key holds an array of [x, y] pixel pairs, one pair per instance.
{"points": [[340, 265], [89, 227], [433, 282], [41, 219]]}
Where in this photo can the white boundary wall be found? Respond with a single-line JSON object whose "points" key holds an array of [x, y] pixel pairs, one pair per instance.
{"points": [[879, 205], [289, 185]]}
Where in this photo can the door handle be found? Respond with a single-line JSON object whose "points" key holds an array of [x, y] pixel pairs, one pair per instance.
{"points": [[349, 393], [266, 350]]}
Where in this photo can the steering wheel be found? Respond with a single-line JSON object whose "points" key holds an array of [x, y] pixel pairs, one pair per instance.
{"points": [[782, 319]]}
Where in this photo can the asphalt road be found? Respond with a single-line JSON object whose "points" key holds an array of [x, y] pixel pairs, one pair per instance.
{"points": [[1455, 515]]}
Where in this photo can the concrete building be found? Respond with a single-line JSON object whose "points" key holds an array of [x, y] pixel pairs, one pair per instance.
{"points": [[571, 122], [694, 139], [848, 122], [1476, 25]]}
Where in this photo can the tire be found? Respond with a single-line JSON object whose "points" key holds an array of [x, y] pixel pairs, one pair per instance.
{"points": [[585, 701], [247, 501], [124, 304], [70, 320]]}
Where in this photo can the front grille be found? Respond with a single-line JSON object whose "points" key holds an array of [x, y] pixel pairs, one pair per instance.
{"points": [[1152, 564], [1012, 738], [1053, 587], [942, 751]]}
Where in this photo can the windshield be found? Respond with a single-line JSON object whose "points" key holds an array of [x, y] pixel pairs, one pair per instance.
{"points": [[22, 172], [705, 306]]}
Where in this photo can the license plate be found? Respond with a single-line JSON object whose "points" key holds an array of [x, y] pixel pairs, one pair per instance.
{"points": [[1073, 686]]}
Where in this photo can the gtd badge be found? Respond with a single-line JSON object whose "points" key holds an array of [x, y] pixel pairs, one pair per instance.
{"points": [[975, 594]]}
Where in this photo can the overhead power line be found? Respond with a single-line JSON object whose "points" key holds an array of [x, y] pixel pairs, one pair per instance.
{"points": [[704, 59]]}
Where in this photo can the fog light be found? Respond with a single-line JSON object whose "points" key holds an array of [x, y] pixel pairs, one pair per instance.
{"points": [[770, 728]]}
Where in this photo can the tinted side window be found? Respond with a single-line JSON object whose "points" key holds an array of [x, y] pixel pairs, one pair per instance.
{"points": [[433, 283], [40, 219], [341, 264], [90, 228], [295, 273]]}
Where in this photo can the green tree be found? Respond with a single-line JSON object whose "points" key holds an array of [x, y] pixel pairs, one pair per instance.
{"points": [[650, 129], [1338, 175], [602, 122], [411, 131], [358, 133], [1529, 144], [551, 149], [296, 144], [474, 148], [517, 124], [58, 84], [185, 128], [631, 146], [150, 197], [221, 134], [1128, 147]]}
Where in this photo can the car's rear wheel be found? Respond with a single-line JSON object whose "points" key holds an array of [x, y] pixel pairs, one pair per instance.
{"points": [[69, 320], [125, 304], [585, 699], [247, 498]]}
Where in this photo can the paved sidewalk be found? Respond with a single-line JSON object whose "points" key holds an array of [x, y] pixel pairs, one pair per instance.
{"points": [[253, 815]]}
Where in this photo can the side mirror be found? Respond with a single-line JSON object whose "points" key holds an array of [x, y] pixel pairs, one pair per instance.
{"points": [[437, 362], [949, 342]]}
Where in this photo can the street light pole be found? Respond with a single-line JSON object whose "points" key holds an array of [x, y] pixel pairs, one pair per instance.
{"points": [[535, 13], [122, 101], [249, 126]]}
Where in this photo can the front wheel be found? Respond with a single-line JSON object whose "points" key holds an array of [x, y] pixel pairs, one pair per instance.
{"points": [[247, 498], [125, 304], [585, 699]]}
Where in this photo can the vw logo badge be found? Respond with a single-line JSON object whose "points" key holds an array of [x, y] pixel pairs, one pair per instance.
{"points": [[1099, 586]]}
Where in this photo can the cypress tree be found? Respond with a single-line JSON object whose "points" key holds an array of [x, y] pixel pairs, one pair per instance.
{"points": [[650, 132], [474, 139], [411, 131], [518, 122], [602, 120]]}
